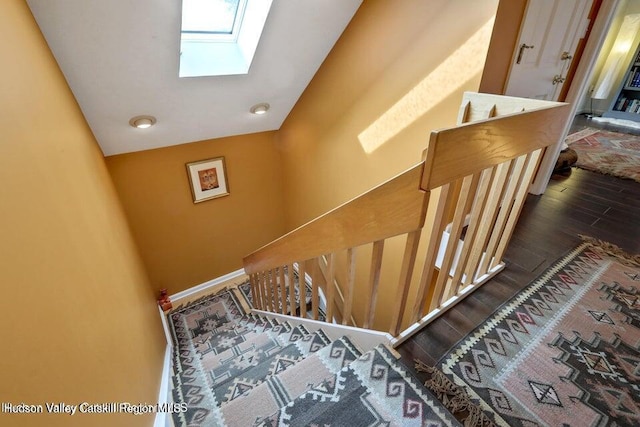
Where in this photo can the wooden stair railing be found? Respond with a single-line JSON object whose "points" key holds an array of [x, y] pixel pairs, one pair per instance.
{"points": [[457, 209]]}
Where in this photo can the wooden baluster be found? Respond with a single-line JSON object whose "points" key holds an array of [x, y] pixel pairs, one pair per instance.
{"points": [[474, 222], [277, 300], [445, 288], [532, 165], [371, 294], [255, 291], [263, 290], [503, 214], [274, 289], [331, 286], [486, 224], [469, 113], [302, 289], [406, 271], [442, 277], [464, 112], [292, 290], [275, 286], [436, 227], [349, 290], [268, 280], [431, 273], [315, 279], [283, 291]]}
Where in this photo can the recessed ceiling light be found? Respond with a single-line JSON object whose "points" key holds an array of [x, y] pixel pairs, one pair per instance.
{"points": [[142, 122], [260, 108]]}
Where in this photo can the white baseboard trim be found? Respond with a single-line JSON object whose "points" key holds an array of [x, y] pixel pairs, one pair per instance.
{"points": [[162, 418], [365, 339], [206, 285], [450, 303], [165, 327]]}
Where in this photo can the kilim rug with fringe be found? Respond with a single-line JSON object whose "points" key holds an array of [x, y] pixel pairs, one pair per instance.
{"points": [[563, 352]]}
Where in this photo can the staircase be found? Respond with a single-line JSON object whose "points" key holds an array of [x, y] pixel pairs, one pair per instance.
{"points": [[455, 210], [233, 367]]}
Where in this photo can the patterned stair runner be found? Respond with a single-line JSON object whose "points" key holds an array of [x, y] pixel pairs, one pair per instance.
{"points": [[280, 389], [234, 368], [374, 390]]}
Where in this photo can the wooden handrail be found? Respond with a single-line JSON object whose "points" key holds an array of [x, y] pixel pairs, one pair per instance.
{"points": [[477, 175], [472, 147], [396, 207]]}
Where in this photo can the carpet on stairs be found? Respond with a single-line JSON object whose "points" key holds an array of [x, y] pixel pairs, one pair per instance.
{"points": [[236, 368], [374, 390], [286, 385]]}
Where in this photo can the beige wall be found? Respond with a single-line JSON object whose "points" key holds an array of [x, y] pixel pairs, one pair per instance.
{"points": [[389, 48], [316, 160], [396, 60], [80, 321], [185, 244]]}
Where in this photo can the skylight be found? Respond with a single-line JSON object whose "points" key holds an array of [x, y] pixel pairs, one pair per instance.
{"points": [[220, 37], [212, 19]]}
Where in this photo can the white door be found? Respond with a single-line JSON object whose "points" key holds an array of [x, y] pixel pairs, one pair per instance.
{"points": [[548, 38]]}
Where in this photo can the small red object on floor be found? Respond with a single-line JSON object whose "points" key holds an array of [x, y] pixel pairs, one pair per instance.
{"points": [[164, 301]]}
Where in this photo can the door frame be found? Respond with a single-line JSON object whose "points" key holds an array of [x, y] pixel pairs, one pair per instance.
{"points": [[518, 73], [577, 88]]}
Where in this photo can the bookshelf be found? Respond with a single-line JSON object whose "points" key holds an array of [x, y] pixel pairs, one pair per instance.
{"points": [[626, 105]]}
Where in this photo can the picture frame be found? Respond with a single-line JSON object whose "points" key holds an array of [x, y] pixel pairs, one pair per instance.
{"points": [[208, 179]]}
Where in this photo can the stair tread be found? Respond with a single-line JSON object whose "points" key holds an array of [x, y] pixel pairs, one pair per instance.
{"points": [[249, 377], [248, 342], [233, 368], [278, 390], [255, 356], [224, 339], [373, 388]]}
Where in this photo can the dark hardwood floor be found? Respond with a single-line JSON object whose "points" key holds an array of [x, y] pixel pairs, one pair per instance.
{"points": [[581, 202]]}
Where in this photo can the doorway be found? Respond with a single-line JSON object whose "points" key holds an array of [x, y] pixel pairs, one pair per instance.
{"points": [[604, 132], [580, 74]]}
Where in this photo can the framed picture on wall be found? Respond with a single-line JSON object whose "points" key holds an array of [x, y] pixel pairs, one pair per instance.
{"points": [[208, 179]]}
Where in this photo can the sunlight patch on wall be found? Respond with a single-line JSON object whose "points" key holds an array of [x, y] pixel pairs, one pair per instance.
{"points": [[455, 71]]}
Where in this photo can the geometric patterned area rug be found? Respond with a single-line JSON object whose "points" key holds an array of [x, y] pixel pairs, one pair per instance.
{"points": [[563, 352], [234, 367], [190, 326], [373, 390], [606, 152]]}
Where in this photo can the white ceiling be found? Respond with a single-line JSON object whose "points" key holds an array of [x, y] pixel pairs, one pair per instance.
{"points": [[121, 57]]}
